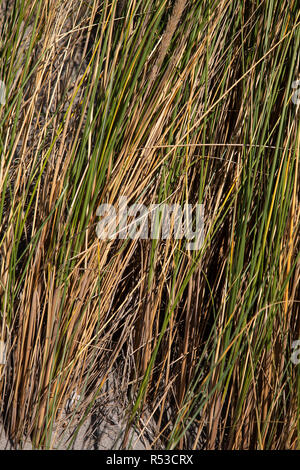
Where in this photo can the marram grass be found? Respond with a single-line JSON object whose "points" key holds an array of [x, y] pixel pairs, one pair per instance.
{"points": [[157, 101]]}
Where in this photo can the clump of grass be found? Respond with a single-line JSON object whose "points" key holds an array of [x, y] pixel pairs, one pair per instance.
{"points": [[158, 101]]}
